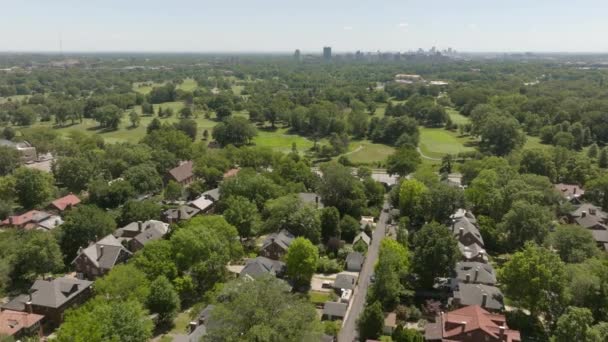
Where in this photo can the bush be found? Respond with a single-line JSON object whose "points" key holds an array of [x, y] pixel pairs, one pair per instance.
{"points": [[332, 328], [326, 265]]}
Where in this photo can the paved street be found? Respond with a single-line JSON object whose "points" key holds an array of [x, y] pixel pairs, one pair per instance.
{"points": [[349, 328]]}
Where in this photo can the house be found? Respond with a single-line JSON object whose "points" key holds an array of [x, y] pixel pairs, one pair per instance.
{"points": [[488, 297], [345, 281], [361, 242], [593, 218], [470, 324], [570, 192], [474, 273], [386, 179], [99, 257], [464, 228], [261, 266], [277, 244], [334, 310], [311, 198], [183, 212], [51, 297], [390, 323], [367, 221], [33, 219], [27, 152], [203, 204], [18, 324], [454, 179], [473, 253], [137, 234], [64, 203], [213, 194], [182, 174], [197, 328], [354, 261]]}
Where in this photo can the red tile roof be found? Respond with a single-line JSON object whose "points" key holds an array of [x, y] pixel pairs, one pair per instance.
{"points": [[456, 324], [11, 322], [20, 220], [65, 202]]}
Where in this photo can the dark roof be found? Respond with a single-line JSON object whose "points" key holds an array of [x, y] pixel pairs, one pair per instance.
{"points": [[468, 226], [213, 194], [51, 293], [335, 309], [355, 257], [311, 198], [362, 236], [472, 251], [282, 238], [152, 233], [182, 172], [478, 272], [134, 227], [111, 251], [472, 294], [260, 266], [345, 281], [184, 212], [589, 216]]}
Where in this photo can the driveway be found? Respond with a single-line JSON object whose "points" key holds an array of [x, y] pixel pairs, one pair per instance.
{"points": [[348, 333]]}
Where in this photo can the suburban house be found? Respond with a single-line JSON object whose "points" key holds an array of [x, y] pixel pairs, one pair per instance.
{"points": [[361, 242], [183, 212], [367, 221], [33, 219], [454, 179], [197, 328], [470, 324], [182, 174], [474, 273], [203, 204], [488, 297], [19, 325], [276, 244], [27, 152], [311, 198], [344, 281], [390, 323], [64, 203], [334, 310], [386, 179], [51, 297], [99, 257], [593, 218], [261, 266], [570, 192], [354, 261], [213, 194], [470, 242], [137, 234]]}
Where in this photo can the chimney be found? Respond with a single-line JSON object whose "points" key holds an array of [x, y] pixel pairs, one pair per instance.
{"points": [[574, 190], [476, 273], [192, 326], [28, 305], [467, 278], [583, 214], [80, 250], [482, 254], [11, 220], [484, 299], [179, 214], [100, 252], [502, 333], [592, 211], [460, 232], [139, 225]]}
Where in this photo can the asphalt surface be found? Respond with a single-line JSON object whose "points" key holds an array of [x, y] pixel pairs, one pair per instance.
{"points": [[348, 333]]}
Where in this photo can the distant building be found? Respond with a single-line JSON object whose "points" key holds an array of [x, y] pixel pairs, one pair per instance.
{"points": [[27, 152], [184, 212], [297, 55], [570, 192], [327, 53], [261, 266], [100, 257], [137, 234]]}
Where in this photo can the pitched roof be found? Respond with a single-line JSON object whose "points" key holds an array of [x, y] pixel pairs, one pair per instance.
{"points": [[472, 294], [311, 198], [478, 272], [362, 236], [590, 209], [11, 322], [105, 252], [182, 172], [202, 203], [472, 251], [27, 217], [153, 232], [66, 201], [455, 325], [569, 191], [467, 226], [51, 293], [260, 266], [282, 238], [345, 281], [213, 194], [589, 216], [183, 212], [133, 227], [50, 222], [355, 257], [335, 309]]}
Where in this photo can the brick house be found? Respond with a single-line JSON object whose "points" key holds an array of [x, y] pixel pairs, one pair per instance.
{"points": [[99, 257]]}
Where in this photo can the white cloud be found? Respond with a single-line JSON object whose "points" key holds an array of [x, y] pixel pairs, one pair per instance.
{"points": [[348, 28], [403, 25]]}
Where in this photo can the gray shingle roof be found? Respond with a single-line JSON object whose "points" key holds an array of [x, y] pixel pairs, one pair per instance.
{"points": [[260, 266], [184, 212], [133, 228], [213, 194], [345, 281], [362, 236], [282, 238], [468, 228], [355, 257], [111, 248], [335, 309], [472, 294], [52, 293], [154, 232], [478, 272], [472, 251]]}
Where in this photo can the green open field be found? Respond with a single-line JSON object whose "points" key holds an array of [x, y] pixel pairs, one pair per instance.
{"points": [[13, 98], [366, 152], [281, 141], [456, 117], [437, 142]]}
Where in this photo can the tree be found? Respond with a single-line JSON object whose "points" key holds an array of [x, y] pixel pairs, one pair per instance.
{"points": [[330, 223], [156, 260], [574, 244], [108, 116], [173, 191], [500, 135], [441, 201], [123, 283], [538, 162], [340, 189], [110, 195], [83, 224], [163, 300], [262, 310], [188, 126], [371, 322], [222, 113], [349, 227], [597, 191], [301, 260], [435, 253], [243, 214], [391, 269], [288, 212], [598, 332], [74, 173], [9, 160], [252, 186], [603, 158], [144, 178], [411, 195], [134, 118], [237, 131], [38, 254], [402, 334], [33, 187], [8, 133], [525, 222], [534, 279], [102, 320], [153, 126], [185, 113], [403, 161], [134, 211], [573, 325]]}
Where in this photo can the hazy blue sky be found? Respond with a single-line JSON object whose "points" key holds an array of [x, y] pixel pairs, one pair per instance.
{"points": [[284, 25]]}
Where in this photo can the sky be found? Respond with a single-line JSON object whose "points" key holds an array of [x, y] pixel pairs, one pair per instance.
{"points": [[308, 25]]}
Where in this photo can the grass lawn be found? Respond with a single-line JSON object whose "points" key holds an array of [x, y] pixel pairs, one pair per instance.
{"points": [[237, 89], [189, 84], [456, 117], [281, 141], [366, 152], [380, 110], [145, 87], [13, 98], [437, 142], [534, 143], [181, 323], [317, 297]]}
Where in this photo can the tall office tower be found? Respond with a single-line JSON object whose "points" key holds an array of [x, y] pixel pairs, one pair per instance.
{"points": [[327, 53], [297, 55]]}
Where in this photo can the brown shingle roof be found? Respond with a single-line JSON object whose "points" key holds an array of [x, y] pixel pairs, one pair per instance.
{"points": [[182, 172]]}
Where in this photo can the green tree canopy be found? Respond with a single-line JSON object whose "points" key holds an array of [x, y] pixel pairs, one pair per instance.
{"points": [[301, 260], [435, 253]]}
